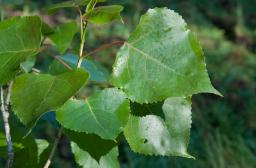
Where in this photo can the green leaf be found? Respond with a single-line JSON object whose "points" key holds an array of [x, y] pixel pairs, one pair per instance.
{"points": [[151, 135], [104, 14], [91, 143], [46, 29], [97, 72], [41, 146], [63, 36], [105, 114], [68, 4], [20, 38], [43, 93], [161, 59], [28, 64], [86, 161]]}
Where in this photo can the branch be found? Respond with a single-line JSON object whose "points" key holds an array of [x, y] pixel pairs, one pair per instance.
{"points": [[58, 59], [105, 46], [48, 162], [5, 113]]}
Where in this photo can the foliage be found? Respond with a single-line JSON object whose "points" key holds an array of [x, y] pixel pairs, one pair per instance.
{"points": [[161, 61]]}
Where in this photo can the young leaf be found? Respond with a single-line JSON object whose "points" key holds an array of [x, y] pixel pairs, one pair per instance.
{"points": [[20, 38], [63, 36], [86, 161], [33, 94], [151, 135], [104, 14], [161, 59], [105, 114], [97, 72], [68, 4], [91, 143]]}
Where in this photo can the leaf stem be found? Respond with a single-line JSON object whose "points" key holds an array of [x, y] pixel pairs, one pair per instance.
{"points": [[83, 25], [58, 59], [105, 46], [56, 142], [5, 113]]}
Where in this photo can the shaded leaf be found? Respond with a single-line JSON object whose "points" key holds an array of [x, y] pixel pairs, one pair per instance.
{"points": [[15, 46], [86, 161], [63, 35], [43, 93], [104, 14], [91, 143], [105, 113], [97, 72], [161, 59], [151, 135]]}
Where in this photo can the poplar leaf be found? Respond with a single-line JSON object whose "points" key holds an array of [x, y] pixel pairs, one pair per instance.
{"points": [[161, 59], [151, 135], [20, 38], [105, 113], [33, 94]]}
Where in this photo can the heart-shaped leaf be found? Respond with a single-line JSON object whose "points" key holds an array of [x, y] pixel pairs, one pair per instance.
{"points": [[20, 38], [33, 94], [161, 59], [105, 113], [151, 135]]}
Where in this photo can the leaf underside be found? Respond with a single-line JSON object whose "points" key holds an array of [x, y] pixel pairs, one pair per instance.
{"points": [[161, 59]]}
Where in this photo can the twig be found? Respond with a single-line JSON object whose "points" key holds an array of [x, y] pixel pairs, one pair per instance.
{"points": [[105, 46], [58, 59], [5, 113], [48, 162]]}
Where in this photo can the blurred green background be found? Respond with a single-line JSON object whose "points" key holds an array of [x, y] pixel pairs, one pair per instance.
{"points": [[224, 129]]}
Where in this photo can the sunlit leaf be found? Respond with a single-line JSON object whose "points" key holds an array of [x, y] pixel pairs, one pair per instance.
{"points": [[105, 114], [161, 59], [152, 135]]}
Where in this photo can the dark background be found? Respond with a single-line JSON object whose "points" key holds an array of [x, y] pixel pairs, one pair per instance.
{"points": [[224, 129]]}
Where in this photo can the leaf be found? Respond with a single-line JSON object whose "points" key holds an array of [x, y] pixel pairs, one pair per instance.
{"points": [[43, 93], [151, 135], [63, 36], [41, 146], [46, 29], [86, 161], [28, 64], [44, 150], [97, 72], [161, 59], [105, 114], [20, 38], [104, 14], [91, 143], [68, 4]]}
